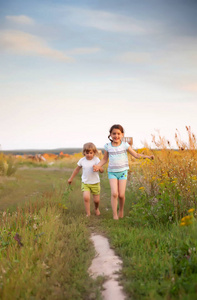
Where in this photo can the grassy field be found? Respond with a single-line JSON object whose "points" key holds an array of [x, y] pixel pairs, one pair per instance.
{"points": [[45, 249], [44, 246]]}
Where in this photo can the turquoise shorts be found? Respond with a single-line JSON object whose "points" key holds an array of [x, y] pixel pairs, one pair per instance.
{"points": [[118, 175]]}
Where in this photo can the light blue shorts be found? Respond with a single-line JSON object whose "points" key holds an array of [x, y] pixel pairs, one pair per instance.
{"points": [[118, 175]]}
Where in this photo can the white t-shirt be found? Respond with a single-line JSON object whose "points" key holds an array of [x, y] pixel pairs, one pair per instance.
{"points": [[88, 175]]}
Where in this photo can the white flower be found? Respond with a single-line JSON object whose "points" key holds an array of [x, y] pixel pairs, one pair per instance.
{"points": [[35, 227]]}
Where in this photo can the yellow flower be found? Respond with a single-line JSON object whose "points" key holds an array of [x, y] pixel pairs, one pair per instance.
{"points": [[191, 210], [182, 224], [142, 188], [187, 220]]}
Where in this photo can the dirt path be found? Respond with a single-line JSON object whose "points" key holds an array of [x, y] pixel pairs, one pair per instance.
{"points": [[107, 264]]}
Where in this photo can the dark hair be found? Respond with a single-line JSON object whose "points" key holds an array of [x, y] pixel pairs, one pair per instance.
{"points": [[116, 126]]}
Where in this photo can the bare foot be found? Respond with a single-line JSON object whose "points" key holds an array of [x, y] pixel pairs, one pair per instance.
{"points": [[115, 217], [120, 215], [97, 212], [88, 215]]}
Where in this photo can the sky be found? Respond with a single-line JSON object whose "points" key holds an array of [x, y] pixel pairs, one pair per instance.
{"points": [[69, 70]]}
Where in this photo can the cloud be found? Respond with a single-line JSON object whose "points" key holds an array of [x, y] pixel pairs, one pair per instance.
{"points": [[23, 43], [22, 19], [135, 57], [83, 51], [190, 87], [106, 21]]}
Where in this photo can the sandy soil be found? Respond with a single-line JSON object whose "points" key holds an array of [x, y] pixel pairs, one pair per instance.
{"points": [[107, 264]]}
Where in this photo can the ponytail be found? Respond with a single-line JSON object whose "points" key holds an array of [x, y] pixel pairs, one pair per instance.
{"points": [[109, 138]]}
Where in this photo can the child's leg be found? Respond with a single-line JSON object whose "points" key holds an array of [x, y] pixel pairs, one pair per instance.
{"points": [[114, 196], [96, 199], [121, 195], [86, 198]]}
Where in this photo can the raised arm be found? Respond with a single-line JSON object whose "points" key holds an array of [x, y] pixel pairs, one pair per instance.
{"points": [[75, 172], [137, 155], [103, 161]]}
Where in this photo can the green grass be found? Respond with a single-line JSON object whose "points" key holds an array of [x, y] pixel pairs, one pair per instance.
{"points": [[157, 263], [52, 263], [159, 258], [28, 184]]}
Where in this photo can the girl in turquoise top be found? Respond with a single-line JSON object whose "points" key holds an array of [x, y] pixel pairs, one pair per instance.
{"points": [[118, 167]]}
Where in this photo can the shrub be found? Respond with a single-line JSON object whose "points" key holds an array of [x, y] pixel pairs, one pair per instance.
{"points": [[7, 165]]}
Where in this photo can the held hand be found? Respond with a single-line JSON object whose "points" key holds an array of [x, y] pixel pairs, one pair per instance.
{"points": [[95, 168]]}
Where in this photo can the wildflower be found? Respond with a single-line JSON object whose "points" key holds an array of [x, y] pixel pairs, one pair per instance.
{"points": [[187, 220], [18, 239], [45, 265], [142, 188], [182, 224], [191, 210], [64, 206], [35, 227], [165, 174]]}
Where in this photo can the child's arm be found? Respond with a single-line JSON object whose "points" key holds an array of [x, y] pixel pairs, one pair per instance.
{"points": [[137, 155], [101, 170], [103, 161], [75, 172]]}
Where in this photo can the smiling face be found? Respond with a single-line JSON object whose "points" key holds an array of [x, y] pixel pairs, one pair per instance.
{"points": [[116, 136]]}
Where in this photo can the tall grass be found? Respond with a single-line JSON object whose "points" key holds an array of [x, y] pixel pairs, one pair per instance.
{"points": [[7, 165], [44, 252], [168, 185]]}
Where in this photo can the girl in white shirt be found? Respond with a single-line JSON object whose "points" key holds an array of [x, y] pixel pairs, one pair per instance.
{"points": [[118, 167], [90, 180]]}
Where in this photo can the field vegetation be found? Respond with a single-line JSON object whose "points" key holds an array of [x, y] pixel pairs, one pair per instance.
{"points": [[45, 249]]}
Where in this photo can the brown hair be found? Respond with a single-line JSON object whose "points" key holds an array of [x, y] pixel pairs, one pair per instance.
{"points": [[116, 126], [89, 146]]}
